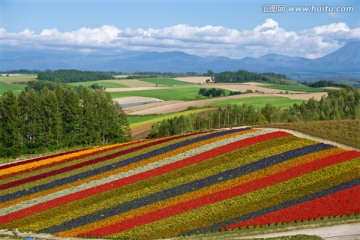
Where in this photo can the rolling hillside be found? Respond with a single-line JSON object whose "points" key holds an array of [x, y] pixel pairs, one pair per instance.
{"points": [[179, 185]]}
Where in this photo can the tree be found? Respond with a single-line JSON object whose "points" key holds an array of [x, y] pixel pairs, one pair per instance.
{"points": [[10, 135]]}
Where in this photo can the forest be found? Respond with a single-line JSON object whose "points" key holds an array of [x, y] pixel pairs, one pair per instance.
{"points": [[68, 76], [343, 104], [46, 120]]}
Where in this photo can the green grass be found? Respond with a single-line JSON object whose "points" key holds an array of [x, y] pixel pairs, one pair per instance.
{"points": [[105, 83], [136, 121], [164, 81], [341, 131], [17, 78], [16, 88], [294, 88], [259, 102], [180, 93]]}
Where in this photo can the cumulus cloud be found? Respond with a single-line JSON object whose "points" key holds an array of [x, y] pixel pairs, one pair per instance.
{"points": [[268, 37]]}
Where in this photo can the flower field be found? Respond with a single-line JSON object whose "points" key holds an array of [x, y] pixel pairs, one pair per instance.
{"points": [[177, 185]]}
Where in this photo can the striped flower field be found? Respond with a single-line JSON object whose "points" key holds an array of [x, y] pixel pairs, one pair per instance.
{"points": [[178, 185]]}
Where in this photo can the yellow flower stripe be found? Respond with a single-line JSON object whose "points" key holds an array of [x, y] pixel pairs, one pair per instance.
{"points": [[204, 191]]}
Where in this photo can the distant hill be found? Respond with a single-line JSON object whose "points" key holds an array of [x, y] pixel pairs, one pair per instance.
{"points": [[343, 63]]}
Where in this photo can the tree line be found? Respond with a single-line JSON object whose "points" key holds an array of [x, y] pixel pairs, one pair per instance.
{"points": [[38, 121], [343, 104], [68, 76], [245, 76]]}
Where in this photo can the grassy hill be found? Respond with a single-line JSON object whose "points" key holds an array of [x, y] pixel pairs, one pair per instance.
{"points": [[186, 184], [341, 131]]}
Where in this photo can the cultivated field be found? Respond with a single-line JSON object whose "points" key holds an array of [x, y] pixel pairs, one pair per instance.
{"points": [[188, 184]]}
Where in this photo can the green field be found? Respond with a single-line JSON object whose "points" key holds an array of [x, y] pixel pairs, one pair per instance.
{"points": [[294, 88], [164, 81], [105, 83], [259, 102], [183, 93], [136, 121], [16, 88], [17, 78]]}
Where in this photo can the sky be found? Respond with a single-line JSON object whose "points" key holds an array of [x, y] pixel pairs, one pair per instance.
{"points": [[230, 28]]}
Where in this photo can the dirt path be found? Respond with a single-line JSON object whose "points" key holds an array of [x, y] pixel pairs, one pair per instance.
{"points": [[22, 235], [349, 231]]}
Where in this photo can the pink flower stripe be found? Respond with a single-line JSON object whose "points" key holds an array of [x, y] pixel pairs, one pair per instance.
{"points": [[138, 177], [222, 195]]}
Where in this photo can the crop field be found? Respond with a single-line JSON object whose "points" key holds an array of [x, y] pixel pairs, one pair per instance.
{"points": [[16, 78], [259, 102], [164, 81], [136, 121], [294, 88], [186, 184], [104, 83], [15, 87], [179, 93]]}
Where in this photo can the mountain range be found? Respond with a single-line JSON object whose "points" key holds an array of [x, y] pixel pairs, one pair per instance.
{"points": [[344, 62]]}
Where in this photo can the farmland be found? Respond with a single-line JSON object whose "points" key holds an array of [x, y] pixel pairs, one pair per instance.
{"points": [[293, 88], [185, 184], [183, 93], [15, 87], [258, 102]]}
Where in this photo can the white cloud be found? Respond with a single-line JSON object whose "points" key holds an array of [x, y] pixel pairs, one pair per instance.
{"points": [[268, 37]]}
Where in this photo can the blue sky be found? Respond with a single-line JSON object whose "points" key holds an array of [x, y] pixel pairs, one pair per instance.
{"points": [[233, 28]]}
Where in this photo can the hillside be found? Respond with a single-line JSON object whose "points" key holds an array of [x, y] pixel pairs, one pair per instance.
{"points": [[341, 131], [178, 185]]}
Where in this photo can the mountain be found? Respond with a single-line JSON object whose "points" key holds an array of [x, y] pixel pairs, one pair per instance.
{"points": [[344, 60]]}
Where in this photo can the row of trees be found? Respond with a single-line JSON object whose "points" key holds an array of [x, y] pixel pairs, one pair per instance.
{"points": [[245, 76], [68, 76], [344, 104], [36, 121]]}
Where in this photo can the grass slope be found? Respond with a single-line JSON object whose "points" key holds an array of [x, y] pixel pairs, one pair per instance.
{"points": [[259, 102], [104, 83], [139, 120], [165, 81], [187, 184], [341, 131], [179, 93], [16, 88]]}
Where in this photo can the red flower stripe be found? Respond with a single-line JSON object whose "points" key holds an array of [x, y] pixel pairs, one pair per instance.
{"points": [[82, 164], [339, 203], [223, 195], [141, 176]]}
